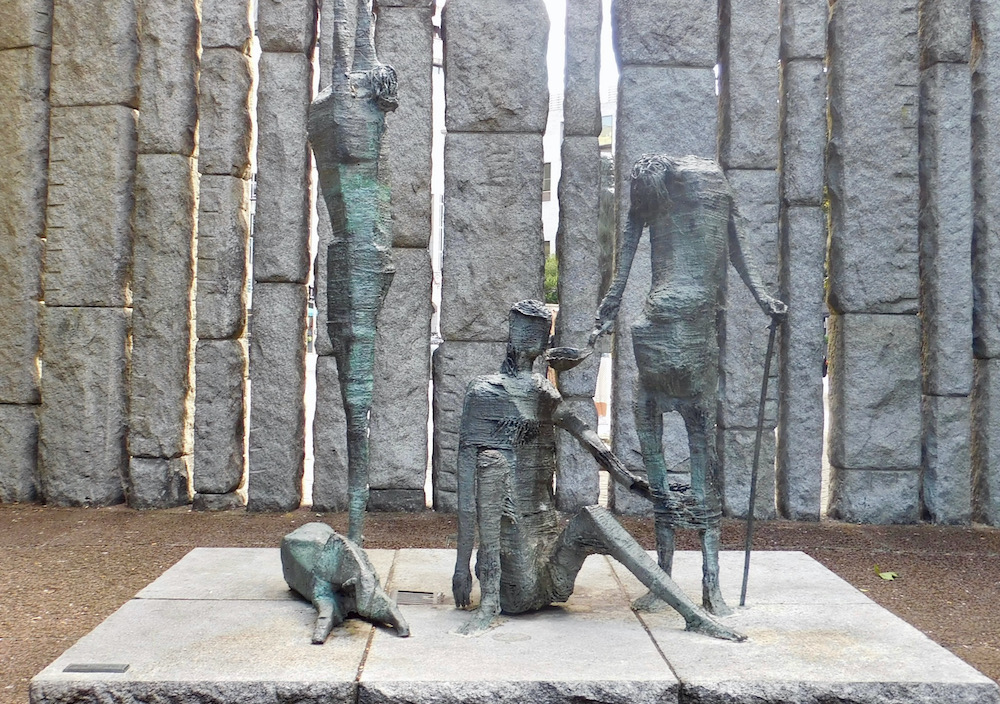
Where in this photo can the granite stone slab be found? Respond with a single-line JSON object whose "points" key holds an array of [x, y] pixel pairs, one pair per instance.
{"points": [[219, 626]]}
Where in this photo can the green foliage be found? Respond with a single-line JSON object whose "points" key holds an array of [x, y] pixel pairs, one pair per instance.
{"points": [[552, 279]]}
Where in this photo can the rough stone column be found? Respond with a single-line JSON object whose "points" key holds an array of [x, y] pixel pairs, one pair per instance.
{"points": [[88, 257], [329, 430], [872, 177], [578, 244], [802, 257], [226, 112], [493, 252], [667, 51], [743, 346], [282, 227], [986, 259], [748, 151], [946, 258], [25, 41], [404, 36], [161, 369]]}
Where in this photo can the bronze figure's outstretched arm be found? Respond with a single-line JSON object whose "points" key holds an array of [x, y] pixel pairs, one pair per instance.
{"points": [[346, 124]]}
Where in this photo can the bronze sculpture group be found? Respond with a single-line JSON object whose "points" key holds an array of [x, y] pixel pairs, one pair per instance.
{"points": [[506, 461]]}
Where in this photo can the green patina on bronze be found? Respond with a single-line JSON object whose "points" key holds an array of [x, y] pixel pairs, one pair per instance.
{"points": [[695, 230], [506, 462], [346, 124], [336, 575]]}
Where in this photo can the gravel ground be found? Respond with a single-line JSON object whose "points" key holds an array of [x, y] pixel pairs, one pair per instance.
{"points": [[63, 571]]}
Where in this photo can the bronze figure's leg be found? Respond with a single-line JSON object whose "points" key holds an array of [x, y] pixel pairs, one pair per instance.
{"points": [[594, 530], [698, 415], [491, 478]]}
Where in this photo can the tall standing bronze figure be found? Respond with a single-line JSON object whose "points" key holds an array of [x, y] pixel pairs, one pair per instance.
{"points": [[346, 124], [695, 230]]}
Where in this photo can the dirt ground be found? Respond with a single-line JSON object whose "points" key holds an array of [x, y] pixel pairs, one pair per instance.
{"points": [[62, 571]]}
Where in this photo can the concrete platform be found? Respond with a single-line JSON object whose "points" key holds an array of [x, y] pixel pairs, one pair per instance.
{"points": [[220, 626]]}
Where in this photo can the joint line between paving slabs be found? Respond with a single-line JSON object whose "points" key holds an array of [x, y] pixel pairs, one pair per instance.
{"points": [[371, 633], [638, 617]]}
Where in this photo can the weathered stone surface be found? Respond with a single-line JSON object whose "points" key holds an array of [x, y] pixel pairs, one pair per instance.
{"points": [[874, 391], [455, 364], [223, 256], [82, 73], [18, 453], [225, 23], [402, 374], [494, 66], [82, 424], [748, 98], [168, 62], [986, 181], [324, 39], [286, 25], [218, 502], [803, 132], [225, 112], [736, 458], [664, 111], [23, 176], [88, 254], [411, 500], [219, 415], [803, 29], [158, 482], [582, 99], [665, 33], [986, 442], [577, 473], [277, 406], [160, 379], [404, 40], [945, 31], [578, 244], [875, 496], [26, 23], [406, 3], [493, 252], [329, 440], [947, 480], [802, 350], [872, 158], [946, 229], [281, 222], [743, 341]]}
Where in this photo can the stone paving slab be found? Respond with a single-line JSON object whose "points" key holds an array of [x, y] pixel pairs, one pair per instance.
{"points": [[591, 648], [220, 627]]}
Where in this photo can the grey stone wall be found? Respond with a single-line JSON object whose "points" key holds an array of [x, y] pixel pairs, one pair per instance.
{"points": [[985, 64], [946, 235], [578, 243], [666, 104], [404, 36], [283, 224], [25, 44], [493, 254], [226, 116], [802, 257], [161, 369], [874, 273], [88, 255]]}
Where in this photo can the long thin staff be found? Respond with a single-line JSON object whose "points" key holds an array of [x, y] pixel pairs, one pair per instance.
{"points": [[756, 457]]}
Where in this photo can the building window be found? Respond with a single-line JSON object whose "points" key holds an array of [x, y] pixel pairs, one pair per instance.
{"points": [[546, 181]]}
